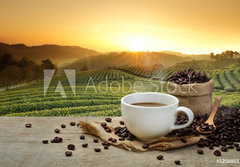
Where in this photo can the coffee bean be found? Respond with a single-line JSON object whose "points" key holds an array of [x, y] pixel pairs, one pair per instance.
{"points": [[200, 151], [224, 149], [95, 140], [184, 140], [72, 123], [45, 141], [114, 140], [105, 144], [110, 139], [58, 140], [210, 147], [121, 139], [125, 134], [108, 130], [160, 157], [97, 149], [71, 147], [145, 146], [217, 153], [123, 130], [238, 148], [68, 153], [230, 147], [108, 119], [236, 144], [121, 122], [105, 147], [103, 124], [28, 125], [57, 131], [63, 125], [177, 162], [82, 137], [84, 145], [52, 141]]}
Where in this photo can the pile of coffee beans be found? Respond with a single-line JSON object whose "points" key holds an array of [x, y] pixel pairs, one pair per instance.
{"points": [[227, 132], [206, 128], [188, 77]]}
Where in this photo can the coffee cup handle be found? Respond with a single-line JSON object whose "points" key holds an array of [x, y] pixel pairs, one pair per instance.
{"points": [[190, 118]]}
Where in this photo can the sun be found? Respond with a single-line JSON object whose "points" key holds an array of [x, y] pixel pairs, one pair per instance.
{"points": [[138, 44]]}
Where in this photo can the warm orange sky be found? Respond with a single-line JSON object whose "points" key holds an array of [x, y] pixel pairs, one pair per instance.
{"points": [[188, 26]]}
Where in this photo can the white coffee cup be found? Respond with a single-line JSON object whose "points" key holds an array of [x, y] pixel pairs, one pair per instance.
{"points": [[151, 122]]}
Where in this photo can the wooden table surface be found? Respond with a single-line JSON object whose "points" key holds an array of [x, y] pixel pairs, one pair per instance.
{"points": [[20, 146]]}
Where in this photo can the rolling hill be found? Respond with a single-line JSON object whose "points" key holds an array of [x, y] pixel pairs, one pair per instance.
{"points": [[117, 59], [58, 54]]}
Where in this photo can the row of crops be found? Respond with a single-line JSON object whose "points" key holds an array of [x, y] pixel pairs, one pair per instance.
{"points": [[140, 71], [30, 100], [99, 75]]}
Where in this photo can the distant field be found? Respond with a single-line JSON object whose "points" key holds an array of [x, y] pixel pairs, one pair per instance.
{"points": [[104, 99]]}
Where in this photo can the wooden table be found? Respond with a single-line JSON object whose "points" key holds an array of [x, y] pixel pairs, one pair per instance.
{"points": [[20, 146]]}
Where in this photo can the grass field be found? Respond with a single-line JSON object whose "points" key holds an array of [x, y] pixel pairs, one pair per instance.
{"points": [[96, 97]]}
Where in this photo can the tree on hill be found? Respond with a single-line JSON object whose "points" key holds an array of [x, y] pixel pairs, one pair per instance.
{"points": [[12, 71], [228, 54]]}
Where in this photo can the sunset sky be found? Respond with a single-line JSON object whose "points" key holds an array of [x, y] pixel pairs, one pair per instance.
{"points": [[188, 26]]}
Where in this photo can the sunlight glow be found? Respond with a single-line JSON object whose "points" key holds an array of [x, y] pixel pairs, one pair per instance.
{"points": [[139, 43]]}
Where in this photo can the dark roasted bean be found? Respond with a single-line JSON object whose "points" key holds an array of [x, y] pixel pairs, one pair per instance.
{"points": [[108, 130], [114, 140], [57, 131], [121, 139], [72, 123], [236, 144], [105, 143], [108, 119], [103, 124], [71, 147], [95, 140], [28, 125], [200, 151], [105, 147], [121, 122], [184, 140], [145, 146], [224, 149], [57, 140], [84, 145], [160, 157], [97, 149], [82, 137], [217, 153], [45, 141], [177, 162], [63, 126], [68, 153]]}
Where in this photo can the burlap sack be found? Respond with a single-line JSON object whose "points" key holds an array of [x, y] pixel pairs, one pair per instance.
{"points": [[197, 97], [162, 143]]}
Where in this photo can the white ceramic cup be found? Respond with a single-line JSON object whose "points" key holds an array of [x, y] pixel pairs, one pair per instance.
{"points": [[151, 122]]}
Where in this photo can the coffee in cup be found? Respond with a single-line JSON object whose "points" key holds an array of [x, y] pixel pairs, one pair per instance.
{"points": [[150, 115]]}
